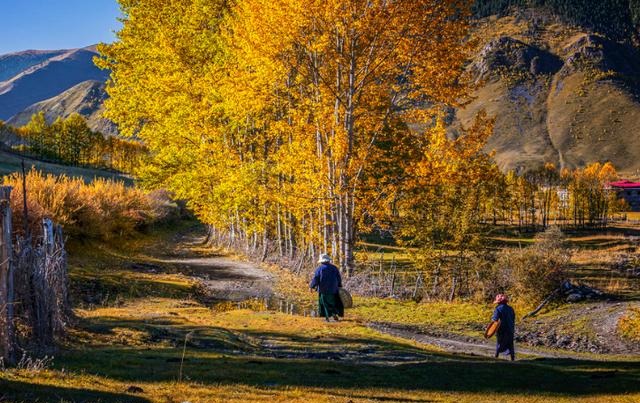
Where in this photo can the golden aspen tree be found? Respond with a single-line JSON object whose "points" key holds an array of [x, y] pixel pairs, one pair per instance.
{"points": [[441, 205], [284, 123], [338, 75]]}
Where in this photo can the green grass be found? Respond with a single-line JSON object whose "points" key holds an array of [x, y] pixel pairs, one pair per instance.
{"points": [[244, 355], [629, 325], [459, 317]]}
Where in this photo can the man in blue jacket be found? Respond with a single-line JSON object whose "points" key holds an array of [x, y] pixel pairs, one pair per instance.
{"points": [[327, 281]]}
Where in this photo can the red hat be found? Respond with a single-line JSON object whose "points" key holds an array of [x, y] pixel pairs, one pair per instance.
{"points": [[501, 299]]}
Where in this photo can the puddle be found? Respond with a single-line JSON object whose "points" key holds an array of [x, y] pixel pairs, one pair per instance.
{"points": [[274, 304]]}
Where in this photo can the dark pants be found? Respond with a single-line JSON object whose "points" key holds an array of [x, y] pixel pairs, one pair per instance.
{"points": [[505, 345], [329, 305]]}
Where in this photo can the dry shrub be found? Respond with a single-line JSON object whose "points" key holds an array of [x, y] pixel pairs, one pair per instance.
{"points": [[531, 274], [100, 209]]}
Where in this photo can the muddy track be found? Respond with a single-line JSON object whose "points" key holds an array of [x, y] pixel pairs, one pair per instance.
{"points": [[221, 278], [460, 346]]}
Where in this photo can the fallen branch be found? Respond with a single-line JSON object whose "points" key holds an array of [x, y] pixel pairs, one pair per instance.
{"points": [[543, 303]]}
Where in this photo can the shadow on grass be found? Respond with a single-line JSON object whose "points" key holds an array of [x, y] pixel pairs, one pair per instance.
{"points": [[27, 392], [425, 371], [106, 287], [627, 287]]}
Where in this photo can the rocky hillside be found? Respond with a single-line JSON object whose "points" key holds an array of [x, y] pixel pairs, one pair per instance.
{"points": [[559, 93], [58, 82], [13, 64]]}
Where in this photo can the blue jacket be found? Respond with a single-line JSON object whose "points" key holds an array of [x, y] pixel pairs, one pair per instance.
{"points": [[507, 317], [327, 279]]}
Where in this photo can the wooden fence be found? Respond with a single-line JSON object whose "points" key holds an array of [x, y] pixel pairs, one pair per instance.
{"points": [[33, 286]]}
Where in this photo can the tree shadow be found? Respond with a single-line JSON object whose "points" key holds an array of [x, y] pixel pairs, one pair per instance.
{"points": [[28, 392], [397, 366], [89, 288]]}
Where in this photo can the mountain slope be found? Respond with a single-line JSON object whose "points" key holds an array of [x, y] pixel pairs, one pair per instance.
{"points": [[558, 93], [48, 79], [13, 64], [86, 98]]}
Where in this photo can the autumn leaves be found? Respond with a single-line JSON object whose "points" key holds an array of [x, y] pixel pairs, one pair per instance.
{"points": [[293, 125]]}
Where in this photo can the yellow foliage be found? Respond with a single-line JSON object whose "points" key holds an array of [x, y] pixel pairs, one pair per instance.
{"points": [[284, 120]]}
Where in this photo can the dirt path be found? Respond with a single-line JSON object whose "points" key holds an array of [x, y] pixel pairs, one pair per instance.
{"points": [[222, 278], [225, 279], [460, 346]]}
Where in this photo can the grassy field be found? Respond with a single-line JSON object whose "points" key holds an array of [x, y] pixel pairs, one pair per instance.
{"points": [[133, 353], [593, 254], [10, 163], [129, 344]]}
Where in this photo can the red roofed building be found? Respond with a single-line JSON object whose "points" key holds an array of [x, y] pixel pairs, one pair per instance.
{"points": [[629, 191]]}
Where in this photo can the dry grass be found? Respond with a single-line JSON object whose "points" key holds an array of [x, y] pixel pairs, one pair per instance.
{"points": [[595, 268], [100, 209], [247, 356]]}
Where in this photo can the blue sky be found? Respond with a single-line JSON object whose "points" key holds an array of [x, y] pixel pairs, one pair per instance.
{"points": [[56, 24]]}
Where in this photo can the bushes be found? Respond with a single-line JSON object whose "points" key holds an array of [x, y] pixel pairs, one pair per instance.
{"points": [[532, 273], [101, 209], [629, 325]]}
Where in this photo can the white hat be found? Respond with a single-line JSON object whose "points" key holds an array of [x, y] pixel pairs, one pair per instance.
{"points": [[324, 258]]}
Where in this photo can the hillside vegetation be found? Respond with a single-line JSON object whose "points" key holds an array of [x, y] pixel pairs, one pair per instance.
{"points": [[559, 93], [617, 19]]}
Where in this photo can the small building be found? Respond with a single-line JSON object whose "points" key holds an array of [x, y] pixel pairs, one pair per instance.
{"points": [[629, 191]]}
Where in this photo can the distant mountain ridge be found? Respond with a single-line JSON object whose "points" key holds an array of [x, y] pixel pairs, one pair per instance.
{"points": [[58, 82], [13, 64]]}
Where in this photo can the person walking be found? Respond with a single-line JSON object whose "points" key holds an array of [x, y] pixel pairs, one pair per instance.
{"points": [[327, 281], [506, 332]]}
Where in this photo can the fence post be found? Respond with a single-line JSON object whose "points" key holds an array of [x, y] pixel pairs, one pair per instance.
{"points": [[393, 276], [418, 283], [7, 331]]}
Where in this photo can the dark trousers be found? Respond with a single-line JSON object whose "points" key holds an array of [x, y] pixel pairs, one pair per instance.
{"points": [[329, 305], [505, 345]]}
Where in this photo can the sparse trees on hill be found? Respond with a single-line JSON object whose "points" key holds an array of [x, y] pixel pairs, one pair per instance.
{"points": [[617, 19]]}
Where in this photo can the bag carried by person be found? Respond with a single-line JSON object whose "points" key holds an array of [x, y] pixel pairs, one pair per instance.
{"points": [[345, 298], [492, 329]]}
